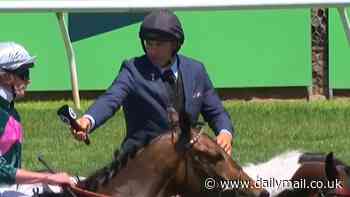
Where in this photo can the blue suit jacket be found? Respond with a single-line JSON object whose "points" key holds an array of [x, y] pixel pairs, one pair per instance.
{"points": [[141, 91]]}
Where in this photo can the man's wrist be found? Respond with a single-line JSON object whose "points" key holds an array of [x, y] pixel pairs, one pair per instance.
{"points": [[226, 132], [91, 121]]}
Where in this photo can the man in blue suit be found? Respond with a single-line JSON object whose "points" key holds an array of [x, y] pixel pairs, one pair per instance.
{"points": [[147, 86]]}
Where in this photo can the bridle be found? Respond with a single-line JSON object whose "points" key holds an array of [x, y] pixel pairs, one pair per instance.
{"points": [[189, 145], [195, 139]]}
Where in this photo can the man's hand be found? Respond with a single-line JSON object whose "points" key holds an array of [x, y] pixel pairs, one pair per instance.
{"points": [[84, 124], [224, 140]]}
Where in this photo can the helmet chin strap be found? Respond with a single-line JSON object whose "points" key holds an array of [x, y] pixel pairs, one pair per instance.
{"points": [[13, 92], [12, 103]]}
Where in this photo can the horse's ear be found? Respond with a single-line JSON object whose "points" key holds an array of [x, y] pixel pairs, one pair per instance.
{"points": [[212, 154], [329, 157], [330, 167], [210, 150]]}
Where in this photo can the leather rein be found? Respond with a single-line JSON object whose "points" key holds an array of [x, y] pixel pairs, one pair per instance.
{"points": [[86, 193]]}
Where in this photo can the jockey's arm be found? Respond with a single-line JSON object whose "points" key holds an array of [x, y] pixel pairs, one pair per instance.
{"points": [[7, 172], [29, 177], [11, 175]]}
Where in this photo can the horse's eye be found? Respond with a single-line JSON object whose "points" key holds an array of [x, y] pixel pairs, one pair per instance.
{"points": [[347, 171]]}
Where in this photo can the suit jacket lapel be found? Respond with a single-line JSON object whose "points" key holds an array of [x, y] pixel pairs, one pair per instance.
{"points": [[162, 91], [187, 80], [156, 85]]}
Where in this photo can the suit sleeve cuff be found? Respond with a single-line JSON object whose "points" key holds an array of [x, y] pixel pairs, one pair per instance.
{"points": [[92, 121], [225, 131]]}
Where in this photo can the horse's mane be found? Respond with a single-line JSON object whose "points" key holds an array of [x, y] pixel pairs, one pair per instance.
{"points": [[104, 174]]}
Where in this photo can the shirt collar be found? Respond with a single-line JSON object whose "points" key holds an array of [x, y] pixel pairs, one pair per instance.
{"points": [[173, 68], [6, 94]]}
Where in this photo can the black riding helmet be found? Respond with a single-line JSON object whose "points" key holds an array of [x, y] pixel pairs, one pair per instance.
{"points": [[161, 25]]}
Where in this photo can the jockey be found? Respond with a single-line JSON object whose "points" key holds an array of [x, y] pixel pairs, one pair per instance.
{"points": [[15, 63]]}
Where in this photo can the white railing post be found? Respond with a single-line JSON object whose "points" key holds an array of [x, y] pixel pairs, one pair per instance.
{"points": [[71, 59], [345, 21]]}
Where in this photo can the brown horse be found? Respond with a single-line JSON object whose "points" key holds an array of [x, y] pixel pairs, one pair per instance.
{"points": [[177, 162], [297, 174]]}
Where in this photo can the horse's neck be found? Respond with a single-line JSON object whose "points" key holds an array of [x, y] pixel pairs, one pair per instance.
{"points": [[311, 170], [134, 181], [146, 174]]}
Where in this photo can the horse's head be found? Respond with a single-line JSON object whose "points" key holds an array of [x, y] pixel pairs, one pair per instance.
{"points": [[337, 174], [206, 163]]}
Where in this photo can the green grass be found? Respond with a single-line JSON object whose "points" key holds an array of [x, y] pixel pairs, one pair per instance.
{"points": [[264, 129]]}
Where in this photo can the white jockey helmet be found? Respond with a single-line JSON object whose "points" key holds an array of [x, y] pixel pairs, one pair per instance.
{"points": [[14, 56]]}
